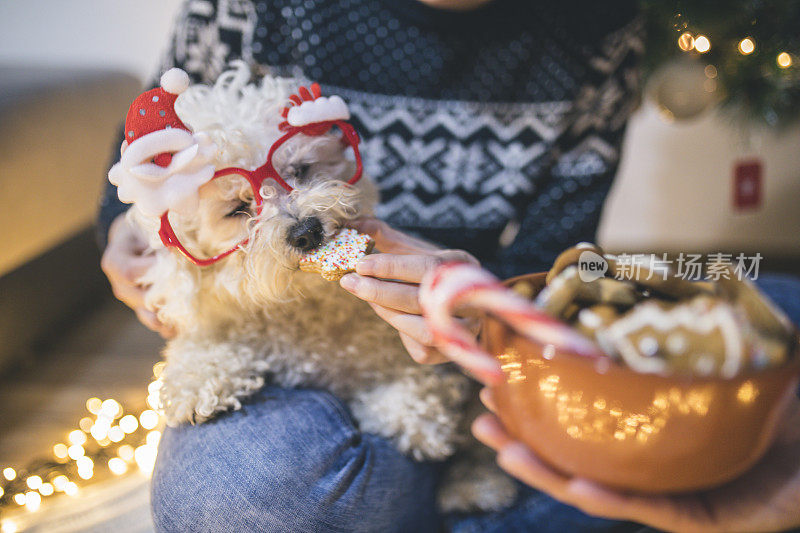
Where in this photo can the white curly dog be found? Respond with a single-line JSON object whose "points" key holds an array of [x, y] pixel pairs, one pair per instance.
{"points": [[254, 317]]}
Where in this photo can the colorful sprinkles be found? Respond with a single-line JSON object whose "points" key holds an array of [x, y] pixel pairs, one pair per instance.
{"points": [[338, 256]]}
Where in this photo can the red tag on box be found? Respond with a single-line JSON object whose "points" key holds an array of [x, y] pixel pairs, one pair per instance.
{"points": [[747, 184]]}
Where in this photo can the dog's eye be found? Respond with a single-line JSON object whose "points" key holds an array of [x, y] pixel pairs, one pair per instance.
{"points": [[243, 208], [300, 170]]}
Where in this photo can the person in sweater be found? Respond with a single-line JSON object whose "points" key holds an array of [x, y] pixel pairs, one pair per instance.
{"points": [[492, 127]]}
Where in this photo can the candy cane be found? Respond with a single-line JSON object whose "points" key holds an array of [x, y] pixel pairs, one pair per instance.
{"points": [[462, 285]]}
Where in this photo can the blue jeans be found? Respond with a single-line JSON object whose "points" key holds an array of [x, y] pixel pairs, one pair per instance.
{"points": [[294, 460]]}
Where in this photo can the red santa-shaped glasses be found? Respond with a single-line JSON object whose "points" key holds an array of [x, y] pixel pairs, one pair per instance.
{"points": [[309, 113]]}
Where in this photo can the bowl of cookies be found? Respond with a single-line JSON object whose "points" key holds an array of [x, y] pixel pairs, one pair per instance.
{"points": [[626, 374]]}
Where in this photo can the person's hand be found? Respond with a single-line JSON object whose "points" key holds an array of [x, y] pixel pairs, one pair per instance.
{"points": [[124, 261], [389, 282], [767, 498]]}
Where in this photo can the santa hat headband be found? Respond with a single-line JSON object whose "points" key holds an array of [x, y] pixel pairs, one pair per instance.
{"points": [[154, 110], [308, 107]]}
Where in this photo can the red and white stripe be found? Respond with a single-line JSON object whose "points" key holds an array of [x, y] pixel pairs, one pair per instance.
{"points": [[460, 286]]}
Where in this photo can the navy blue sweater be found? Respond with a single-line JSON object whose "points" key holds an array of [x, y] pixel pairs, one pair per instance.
{"points": [[507, 117]]}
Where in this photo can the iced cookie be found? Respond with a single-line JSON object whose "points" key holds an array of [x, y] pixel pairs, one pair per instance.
{"points": [[608, 291], [570, 257], [702, 336], [338, 256], [560, 292]]}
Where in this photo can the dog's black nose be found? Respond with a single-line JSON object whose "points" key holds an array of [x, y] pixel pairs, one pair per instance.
{"points": [[306, 234]]}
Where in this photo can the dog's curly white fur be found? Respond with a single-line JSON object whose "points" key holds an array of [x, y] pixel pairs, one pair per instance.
{"points": [[254, 317]]}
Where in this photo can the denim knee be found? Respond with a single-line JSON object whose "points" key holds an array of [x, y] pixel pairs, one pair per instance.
{"points": [[290, 460], [784, 290]]}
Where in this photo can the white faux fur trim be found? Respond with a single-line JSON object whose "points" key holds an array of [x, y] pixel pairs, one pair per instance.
{"points": [[322, 109]]}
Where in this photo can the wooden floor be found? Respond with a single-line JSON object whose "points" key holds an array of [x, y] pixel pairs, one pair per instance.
{"points": [[108, 354]]}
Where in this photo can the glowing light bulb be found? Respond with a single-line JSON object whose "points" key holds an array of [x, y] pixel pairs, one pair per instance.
{"points": [[152, 438], [115, 434], [85, 474], [784, 60], [145, 457], [93, 405], [126, 452], [84, 463], [86, 424], [32, 501], [46, 489], [111, 408], [19, 499], [702, 44], [117, 466], [686, 41], [75, 451], [71, 489], [158, 368], [2, 492], [710, 71], [148, 419], [746, 46], [34, 482], [128, 423], [9, 473], [100, 429], [60, 482], [60, 450], [153, 401], [77, 437]]}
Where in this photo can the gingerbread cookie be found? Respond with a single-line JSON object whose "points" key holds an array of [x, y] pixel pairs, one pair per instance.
{"points": [[652, 320], [338, 256], [702, 336], [570, 257]]}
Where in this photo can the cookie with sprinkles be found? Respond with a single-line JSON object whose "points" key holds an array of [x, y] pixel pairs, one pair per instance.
{"points": [[338, 256]]}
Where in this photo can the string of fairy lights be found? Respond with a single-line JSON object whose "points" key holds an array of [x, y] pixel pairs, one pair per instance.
{"points": [[751, 50], [108, 442], [701, 44]]}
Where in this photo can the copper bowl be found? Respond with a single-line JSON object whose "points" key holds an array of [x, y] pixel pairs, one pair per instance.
{"points": [[639, 432]]}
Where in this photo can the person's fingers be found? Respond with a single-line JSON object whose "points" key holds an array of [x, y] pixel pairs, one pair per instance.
{"points": [[488, 429], [388, 239], [516, 459], [399, 296], [137, 267], [412, 325], [128, 293], [487, 398], [519, 461], [408, 267], [424, 355], [120, 264], [151, 321]]}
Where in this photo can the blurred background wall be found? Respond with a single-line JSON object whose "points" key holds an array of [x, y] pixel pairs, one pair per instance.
{"points": [[117, 34]]}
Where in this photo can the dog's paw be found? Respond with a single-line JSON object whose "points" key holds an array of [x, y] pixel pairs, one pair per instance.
{"points": [[482, 487], [202, 380], [422, 415]]}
